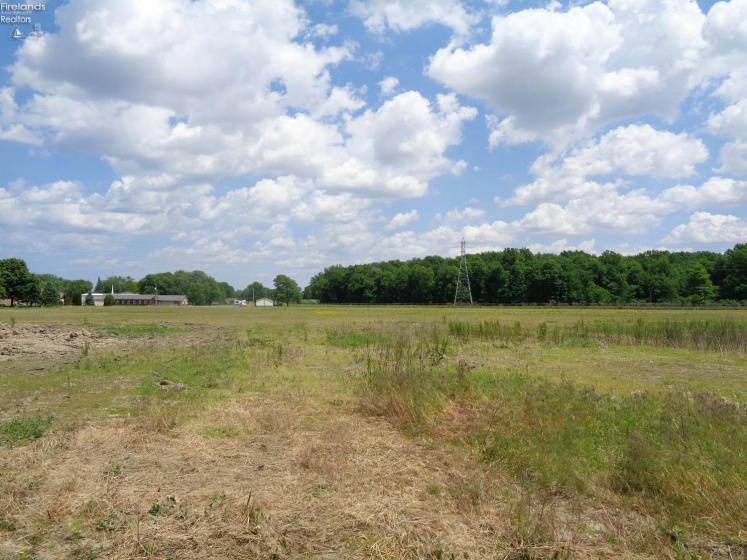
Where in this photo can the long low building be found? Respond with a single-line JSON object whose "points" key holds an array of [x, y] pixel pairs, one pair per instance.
{"points": [[149, 299], [141, 299]]}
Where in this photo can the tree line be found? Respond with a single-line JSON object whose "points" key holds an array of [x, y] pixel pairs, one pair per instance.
{"points": [[20, 285], [511, 276], [518, 276]]}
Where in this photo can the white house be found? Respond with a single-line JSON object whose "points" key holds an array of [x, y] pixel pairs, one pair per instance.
{"points": [[264, 302]]}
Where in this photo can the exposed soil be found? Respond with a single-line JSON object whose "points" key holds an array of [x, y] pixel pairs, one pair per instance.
{"points": [[38, 346], [49, 340]]}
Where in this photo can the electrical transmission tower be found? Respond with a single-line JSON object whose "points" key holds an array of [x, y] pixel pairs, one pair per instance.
{"points": [[463, 295]]}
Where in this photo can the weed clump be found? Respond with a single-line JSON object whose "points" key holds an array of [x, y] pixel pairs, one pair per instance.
{"points": [[406, 377], [21, 430]]}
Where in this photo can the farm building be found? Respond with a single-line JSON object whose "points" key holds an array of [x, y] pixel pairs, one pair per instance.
{"points": [[264, 302]]}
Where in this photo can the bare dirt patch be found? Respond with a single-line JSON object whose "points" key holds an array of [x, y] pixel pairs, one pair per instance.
{"points": [[46, 344], [49, 340]]}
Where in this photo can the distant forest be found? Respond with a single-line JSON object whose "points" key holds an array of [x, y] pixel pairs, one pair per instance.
{"points": [[511, 276], [518, 276]]}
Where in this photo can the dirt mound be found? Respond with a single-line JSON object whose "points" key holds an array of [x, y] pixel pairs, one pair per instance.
{"points": [[50, 340]]}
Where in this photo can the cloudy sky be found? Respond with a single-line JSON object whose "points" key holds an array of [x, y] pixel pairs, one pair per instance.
{"points": [[250, 138]]}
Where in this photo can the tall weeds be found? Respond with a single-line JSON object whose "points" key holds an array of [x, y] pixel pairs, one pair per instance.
{"points": [[405, 376], [720, 335], [680, 457], [677, 455]]}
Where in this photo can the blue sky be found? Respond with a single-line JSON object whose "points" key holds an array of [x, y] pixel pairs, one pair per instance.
{"points": [[250, 139]]}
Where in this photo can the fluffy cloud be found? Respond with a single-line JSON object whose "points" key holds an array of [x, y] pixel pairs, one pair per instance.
{"points": [[388, 85], [396, 149], [716, 191], [554, 219], [726, 34], [557, 75], [402, 219], [634, 212], [704, 227], [378, 15], [638, 150], [485, 236], [732, 122], [202, 91], [177, 96], [187, 88], [61, 206], [632, 151]]}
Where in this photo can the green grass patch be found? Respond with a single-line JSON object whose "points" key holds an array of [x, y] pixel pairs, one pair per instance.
{"points": [[142, 329], [19, 431], [350, 337], [676, 454]]}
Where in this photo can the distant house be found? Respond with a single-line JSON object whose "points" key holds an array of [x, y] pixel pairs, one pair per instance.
{"points": [[264, 302]]}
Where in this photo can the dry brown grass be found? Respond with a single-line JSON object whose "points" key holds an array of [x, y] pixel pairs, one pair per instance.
{"points": [[263, 477]]}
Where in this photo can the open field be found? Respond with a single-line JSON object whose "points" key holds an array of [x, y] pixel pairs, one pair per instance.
{"points": [[373, 432]]}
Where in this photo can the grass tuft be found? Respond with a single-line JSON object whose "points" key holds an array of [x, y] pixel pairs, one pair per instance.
{"points": [[21, 430]]}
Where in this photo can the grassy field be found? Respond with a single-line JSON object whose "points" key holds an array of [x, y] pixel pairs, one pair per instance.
{"points": [[373, 432]]}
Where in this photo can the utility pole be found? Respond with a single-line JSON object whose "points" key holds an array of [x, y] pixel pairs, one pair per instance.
{"points": [[463, 294]]}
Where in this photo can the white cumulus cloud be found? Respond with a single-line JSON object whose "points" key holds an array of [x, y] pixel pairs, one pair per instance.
{"points": [[556, 75], [705, 228]]}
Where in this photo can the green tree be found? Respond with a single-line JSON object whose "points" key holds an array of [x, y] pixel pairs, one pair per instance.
{"points": [[546, 282], [89, 299], [614, 277], [109, 300], [420, 282], [699, 288], [362, 283], [228, 290], [49, 295], [18, 283], [286, 289], [116, 284], [254, 291], [735, 273], [74, 290], [51, 280], [197, 295], [515, 262], [162, 283]]}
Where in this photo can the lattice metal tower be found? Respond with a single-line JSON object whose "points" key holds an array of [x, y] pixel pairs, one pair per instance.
{"points": [[463, 295]]}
